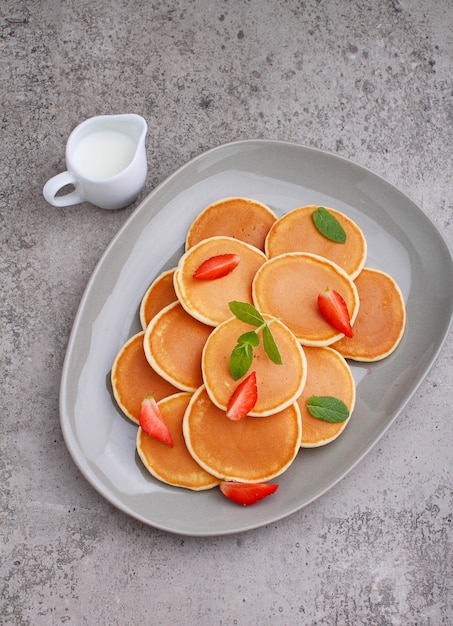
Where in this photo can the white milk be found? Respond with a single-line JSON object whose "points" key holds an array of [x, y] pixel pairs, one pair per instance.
{"points": [[104, 153]]}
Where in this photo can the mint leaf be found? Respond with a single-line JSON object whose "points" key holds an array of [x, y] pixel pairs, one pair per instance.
{"points": [[328, 408], [328, 225], [246, 313], [240, 360], [242, 356], [270, 346], [251, 338]]}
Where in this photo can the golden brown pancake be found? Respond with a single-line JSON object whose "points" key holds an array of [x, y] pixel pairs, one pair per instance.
{"points": [[173, 344], [287, 287], [133, 378], [278, 385], [174, 466], [296, 232], [251, 450], [207, 300], [381, 320], [328, 375], [241, 218], [160, 293]]}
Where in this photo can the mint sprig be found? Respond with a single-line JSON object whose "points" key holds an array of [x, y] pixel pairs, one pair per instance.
{"points": [[242, 356], [328, 225], [328, 408]]}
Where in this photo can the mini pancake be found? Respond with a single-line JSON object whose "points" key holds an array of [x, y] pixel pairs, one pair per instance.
{"points": [[173, 344], [381, 320], [241, 218], [287, 287], [160, 293], [328, 375], [251, 450], [174, 466], [278, 384], [296, 232], [133, 378], [207, 300]]}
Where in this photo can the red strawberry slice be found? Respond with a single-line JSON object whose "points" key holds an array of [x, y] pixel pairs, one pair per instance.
{"points": [[217, 266], [152, 422], [246, 493], [334, 310], [243, 399]]}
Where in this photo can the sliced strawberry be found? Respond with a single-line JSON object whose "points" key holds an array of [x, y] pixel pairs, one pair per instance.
{"points": [[217, 266], [246, 493], [152, 422], [335, 311], [243, 399]]}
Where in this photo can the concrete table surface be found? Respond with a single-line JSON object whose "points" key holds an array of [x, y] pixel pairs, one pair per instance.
{"points": [[368, 80]]}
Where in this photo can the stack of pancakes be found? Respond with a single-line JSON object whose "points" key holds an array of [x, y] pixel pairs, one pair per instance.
{"points": [[182, 354]]}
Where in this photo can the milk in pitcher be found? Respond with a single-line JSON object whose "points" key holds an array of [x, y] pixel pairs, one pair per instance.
{"points": [[104, 153]]}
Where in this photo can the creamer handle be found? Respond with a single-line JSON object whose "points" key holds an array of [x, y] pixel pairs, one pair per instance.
{"points": [[53, 186]]}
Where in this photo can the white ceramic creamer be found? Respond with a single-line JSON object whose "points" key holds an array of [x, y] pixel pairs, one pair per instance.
{"points": [[106, 161]]}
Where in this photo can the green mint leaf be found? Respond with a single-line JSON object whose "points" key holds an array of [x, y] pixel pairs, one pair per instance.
{"points": [[240, 360], [328, 225], [328, 408], [251, 338], [246, 313], [270, 346], [242, 356]]}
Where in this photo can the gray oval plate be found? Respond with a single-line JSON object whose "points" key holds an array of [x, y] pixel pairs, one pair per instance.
{"points": [[401, 241]]}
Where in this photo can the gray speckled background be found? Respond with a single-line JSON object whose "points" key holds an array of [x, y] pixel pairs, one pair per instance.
{"points": [[369, 80]]}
